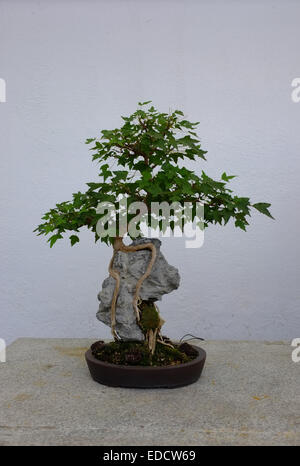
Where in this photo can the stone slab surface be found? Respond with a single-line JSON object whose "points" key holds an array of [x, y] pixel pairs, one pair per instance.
{"points": [[248, 394]]}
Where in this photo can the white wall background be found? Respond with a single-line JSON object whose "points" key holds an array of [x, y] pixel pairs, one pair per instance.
{"points": [[71, 69]]}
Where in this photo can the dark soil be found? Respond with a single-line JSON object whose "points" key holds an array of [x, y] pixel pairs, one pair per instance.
{"points": [[135, 353]]}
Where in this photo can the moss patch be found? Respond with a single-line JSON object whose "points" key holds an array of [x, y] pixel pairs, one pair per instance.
{"points": [[149, 316], [135, 353]]}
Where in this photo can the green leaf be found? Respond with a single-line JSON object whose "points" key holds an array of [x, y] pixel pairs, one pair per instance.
{"points": [[88, 141], [52, 240], [120, 175], [94, 185], [263, 207], [145, 103], [227, 177], [74, 239], [240, 224]]}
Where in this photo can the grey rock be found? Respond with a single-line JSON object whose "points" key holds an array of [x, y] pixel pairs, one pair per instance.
{"points": [[163, 279]]}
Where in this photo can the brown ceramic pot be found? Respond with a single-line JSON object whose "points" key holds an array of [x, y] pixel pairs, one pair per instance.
{"points": [[146, 376]]}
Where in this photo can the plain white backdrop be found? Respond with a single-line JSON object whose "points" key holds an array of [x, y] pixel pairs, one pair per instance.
{"points": [[72, 68]]}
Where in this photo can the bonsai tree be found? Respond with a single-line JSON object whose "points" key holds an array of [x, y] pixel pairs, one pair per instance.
{"points": [[143, 160]]}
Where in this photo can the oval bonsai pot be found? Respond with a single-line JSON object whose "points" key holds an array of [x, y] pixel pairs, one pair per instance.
{"points": [[115, 375]]}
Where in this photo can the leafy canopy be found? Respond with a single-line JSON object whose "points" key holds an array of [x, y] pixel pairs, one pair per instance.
{"points": [[142, 160]]}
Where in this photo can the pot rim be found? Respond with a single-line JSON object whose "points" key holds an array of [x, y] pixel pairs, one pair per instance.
{"points": [[200, 357]]}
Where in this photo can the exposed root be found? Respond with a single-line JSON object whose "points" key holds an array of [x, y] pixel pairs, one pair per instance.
{"points": [[164, 343], [116, 276], [139, 247], [120, 246], [151, 339], [161, 340]]}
